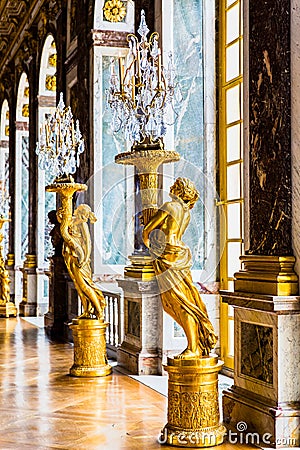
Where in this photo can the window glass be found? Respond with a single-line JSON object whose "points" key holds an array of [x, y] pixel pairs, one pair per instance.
{"points": [[233, 61], [233, 23], [233, 142]]}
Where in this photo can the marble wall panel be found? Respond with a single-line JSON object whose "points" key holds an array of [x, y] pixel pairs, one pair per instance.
{"points": [[268, 384], [295, 129], [269, 106], [189, 125], [276, 346], [288, 357]]}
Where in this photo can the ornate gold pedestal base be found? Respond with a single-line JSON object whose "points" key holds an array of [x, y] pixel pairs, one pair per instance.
{"points": [[9, 309], [270, 275], [193, 403], [89, 348], [141, 267]]}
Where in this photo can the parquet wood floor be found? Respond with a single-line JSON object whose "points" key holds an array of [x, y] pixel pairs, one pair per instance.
{"points": [[43, 408]]}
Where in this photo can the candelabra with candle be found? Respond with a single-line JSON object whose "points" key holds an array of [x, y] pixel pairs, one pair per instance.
{"points": [[59, 148], [143, 94], [142, 97], [7, 308]]}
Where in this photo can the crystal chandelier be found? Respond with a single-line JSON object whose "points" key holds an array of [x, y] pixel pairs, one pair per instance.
{"points": [[60, 143], [143, 94]]}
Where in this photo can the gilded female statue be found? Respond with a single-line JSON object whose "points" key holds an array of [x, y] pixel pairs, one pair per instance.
{"points": [[76, 252], [172, 266]]}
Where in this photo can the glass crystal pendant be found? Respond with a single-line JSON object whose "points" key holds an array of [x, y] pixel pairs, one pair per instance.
{"points": [[60, 143], [141, 95]]}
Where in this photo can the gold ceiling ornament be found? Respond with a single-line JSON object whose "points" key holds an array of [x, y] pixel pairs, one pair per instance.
{"points": [[6, 130], [52, 60], [7, 115], [50, 82], [25, 110], [26, 91], [114, 10]]}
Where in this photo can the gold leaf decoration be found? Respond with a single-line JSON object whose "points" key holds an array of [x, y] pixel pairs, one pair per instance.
{"points": [[6, 130], [25, 110], [50, 82], [52, 60], [114, 10]]}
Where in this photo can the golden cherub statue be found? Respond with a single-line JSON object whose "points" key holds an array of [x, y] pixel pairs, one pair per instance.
{"points": [[76, 252], [172, 266]]}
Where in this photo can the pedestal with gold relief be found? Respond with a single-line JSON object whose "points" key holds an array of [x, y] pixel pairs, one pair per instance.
{"points": [[8, 309], [89, 348], [193, 403], [28, 305]]}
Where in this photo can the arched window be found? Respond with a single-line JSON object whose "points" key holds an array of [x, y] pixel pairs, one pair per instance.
{"points": [[46, 200], [111, 183], [4, 170], [22, 180], [47, 104]]}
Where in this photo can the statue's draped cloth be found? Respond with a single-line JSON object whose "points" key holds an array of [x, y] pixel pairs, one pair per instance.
{"points": [[81, 274], [172, 266]]}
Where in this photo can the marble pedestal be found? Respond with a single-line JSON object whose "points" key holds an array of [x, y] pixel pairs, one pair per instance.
{"points": [[138, 352], [265, 397], [8, 309], [10, 267], [28, 306]]}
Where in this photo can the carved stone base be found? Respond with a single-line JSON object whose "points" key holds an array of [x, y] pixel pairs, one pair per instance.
{"points": [[265, 397], [260, 421], [28, 306], [136, 362], [138, 353], [27, 309], [193, 404], [9, 309], [89, 348]]}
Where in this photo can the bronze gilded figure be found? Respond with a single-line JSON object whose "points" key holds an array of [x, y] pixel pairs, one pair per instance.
{"points": [[76, 252], [172, 266]]}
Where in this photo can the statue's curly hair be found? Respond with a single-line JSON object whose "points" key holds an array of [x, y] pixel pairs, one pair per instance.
{"points": [[186, 190]]}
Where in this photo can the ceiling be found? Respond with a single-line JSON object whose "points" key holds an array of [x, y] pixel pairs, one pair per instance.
{"points": [[14, 15]]}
